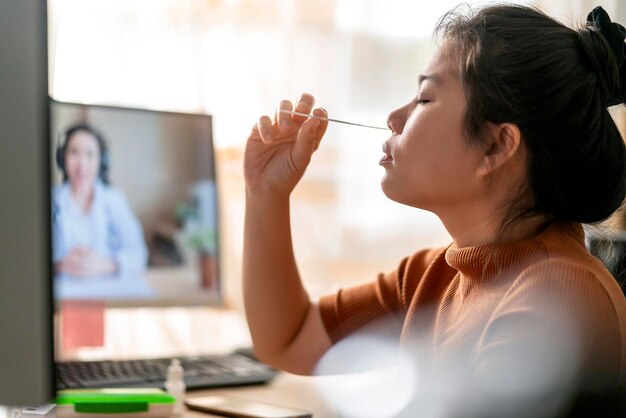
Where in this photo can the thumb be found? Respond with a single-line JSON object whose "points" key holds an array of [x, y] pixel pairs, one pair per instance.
{"points": [[305, 144]]}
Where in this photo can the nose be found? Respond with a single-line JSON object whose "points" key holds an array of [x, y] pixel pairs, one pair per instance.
{"points": [[397, 119]]}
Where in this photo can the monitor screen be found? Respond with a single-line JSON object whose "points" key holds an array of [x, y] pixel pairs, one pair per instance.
{"points": [[134, 206]]}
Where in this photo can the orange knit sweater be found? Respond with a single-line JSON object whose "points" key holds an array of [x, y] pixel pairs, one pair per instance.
{"points": [[517, 307]]}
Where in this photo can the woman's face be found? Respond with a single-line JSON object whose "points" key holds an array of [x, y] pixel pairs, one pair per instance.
{"points": [[429, 162], [82, 159]]}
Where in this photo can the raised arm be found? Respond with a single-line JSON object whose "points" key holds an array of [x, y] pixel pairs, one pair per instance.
{"points": [[286, 328]]}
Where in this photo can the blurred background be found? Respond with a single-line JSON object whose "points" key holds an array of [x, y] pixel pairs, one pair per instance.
{"points": [[236, 59]]}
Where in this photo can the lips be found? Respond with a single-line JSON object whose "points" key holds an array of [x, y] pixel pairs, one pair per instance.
{"points": [[387, 158]]}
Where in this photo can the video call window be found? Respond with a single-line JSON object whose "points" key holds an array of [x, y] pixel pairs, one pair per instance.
{"points": [[134, 206]]}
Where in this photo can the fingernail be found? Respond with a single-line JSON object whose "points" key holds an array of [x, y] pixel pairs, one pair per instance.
{"points": [[301, 104]]}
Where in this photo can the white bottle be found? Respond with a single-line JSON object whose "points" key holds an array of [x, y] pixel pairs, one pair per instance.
{"points": [[175, 386]]}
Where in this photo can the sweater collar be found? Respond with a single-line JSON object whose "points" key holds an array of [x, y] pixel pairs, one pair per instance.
{"points": [[486, 262]]}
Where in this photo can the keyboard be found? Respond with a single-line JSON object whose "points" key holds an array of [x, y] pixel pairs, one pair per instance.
{"points": [[201, 372]]}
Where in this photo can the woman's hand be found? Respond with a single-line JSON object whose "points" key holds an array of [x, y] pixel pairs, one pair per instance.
{"points": [[278, 151], [84, 262]]}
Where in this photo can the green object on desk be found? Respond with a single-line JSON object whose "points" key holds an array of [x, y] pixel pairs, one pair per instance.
{"points": [[112, 401]]}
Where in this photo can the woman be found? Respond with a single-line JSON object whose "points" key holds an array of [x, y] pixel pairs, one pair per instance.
{"points": [[510, 143], [95, 233]]}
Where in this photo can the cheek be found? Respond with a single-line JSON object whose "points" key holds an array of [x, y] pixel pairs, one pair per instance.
{"points": [[418, 154], [94, 165], [430, 167], [71, 162]]}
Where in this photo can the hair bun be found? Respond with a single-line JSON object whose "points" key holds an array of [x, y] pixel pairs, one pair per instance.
{"points": [[598, 21]]}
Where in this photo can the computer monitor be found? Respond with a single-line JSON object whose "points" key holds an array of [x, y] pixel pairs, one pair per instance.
{"points": [[134, 206], [26, 354]]}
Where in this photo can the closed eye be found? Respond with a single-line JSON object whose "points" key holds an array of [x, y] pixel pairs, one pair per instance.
{"points": [[421, 101]]}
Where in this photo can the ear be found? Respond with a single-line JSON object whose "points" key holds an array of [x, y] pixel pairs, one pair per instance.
{"points": [[503, 144]]}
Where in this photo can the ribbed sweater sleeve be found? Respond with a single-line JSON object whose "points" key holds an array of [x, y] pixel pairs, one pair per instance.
{"points": [[381, 304]]}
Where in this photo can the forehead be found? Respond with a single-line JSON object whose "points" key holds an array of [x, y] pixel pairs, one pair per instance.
{"points": [[83, 138], [441, 67]]}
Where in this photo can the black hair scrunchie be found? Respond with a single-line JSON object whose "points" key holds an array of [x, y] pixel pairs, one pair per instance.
{"points": [[614, 34]]}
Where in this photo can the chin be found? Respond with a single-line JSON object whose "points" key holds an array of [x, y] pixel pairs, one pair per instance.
{"points": [[401, 196], [82, 184], [384, 186], [387, 187]]}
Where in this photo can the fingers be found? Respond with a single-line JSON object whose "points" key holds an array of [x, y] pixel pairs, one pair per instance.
{"points": [[72, 265], [305, 104], [305, 144], [82, 250], [284, 123], [284, 119], [265, 128], [321, 129]]}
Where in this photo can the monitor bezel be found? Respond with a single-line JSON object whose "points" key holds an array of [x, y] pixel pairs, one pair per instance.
{"points": [[26, 306]]}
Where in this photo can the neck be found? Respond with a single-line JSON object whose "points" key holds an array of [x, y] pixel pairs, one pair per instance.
{"points": [[83, 196], [483, 225]]}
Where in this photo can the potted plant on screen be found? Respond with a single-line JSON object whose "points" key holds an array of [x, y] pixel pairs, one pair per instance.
{"points": [[202, 239]]}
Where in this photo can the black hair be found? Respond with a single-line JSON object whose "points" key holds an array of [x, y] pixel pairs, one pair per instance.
{"points": [[103, 173], [518, 65]]}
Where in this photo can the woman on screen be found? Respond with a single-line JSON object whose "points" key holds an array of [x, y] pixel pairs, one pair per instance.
{"points": [[95, 233]]}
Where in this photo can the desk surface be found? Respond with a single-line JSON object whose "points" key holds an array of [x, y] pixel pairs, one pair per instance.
{"points": [[286, 390]]}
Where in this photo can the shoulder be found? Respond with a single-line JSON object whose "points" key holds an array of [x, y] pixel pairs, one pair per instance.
{"points": [[428, 265], [565, 278], [60, 196], [566, 264], [566, 289], [568, 296], [423, 259], [111, 194], [572, 272], [416, 265], [59, 190]]}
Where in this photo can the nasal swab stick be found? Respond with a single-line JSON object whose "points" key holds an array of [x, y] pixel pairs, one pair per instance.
{"points": [[331, 120]]}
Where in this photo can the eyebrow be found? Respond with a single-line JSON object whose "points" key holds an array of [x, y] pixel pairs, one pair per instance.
{"points": [[430, 77]]}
